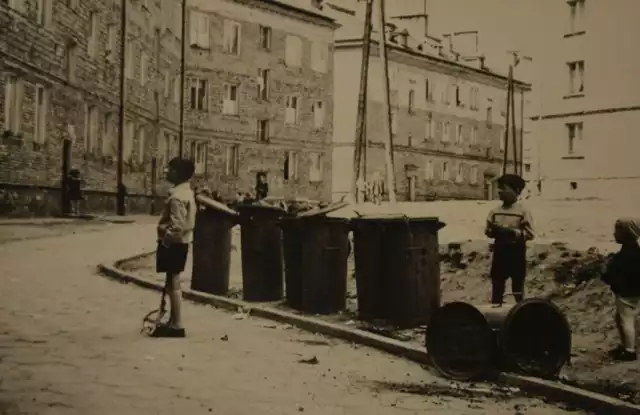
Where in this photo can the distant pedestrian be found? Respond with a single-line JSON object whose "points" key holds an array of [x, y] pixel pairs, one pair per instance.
{"points": [[74, 190], [262, 187], [510, 225], [175, 233], [623, 276]]}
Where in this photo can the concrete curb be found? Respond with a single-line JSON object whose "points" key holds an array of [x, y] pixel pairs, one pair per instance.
{"points": [[595, 402], [62, 221]]}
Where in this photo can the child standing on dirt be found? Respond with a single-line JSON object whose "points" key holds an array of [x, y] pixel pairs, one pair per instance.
{"points": [[622, 275], [175, 233], [510, 225]]}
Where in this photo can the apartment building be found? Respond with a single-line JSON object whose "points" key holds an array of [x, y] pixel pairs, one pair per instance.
{"points": [[448, 114], [59, 80], [589, 100], [260, 96]]}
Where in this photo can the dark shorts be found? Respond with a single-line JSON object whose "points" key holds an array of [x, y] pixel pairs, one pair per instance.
{"points": [[171, 259]]}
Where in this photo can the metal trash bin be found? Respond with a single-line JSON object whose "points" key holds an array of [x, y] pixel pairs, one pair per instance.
{"points": [[316, 250], [262, 262], [212, 246], [466, 342], [397, 268]]}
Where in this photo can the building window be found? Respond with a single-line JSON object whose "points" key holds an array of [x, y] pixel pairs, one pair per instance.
{"points": [[318, 114], [129, 60], [445, 170], [70, 61], [460, 173], [319, 56], [527, 168], [459, 137], [177, 88], [94, 32], [42, 11], [474, 135], [293, 51], [265, 37], [489, 116], [198, 154], [429, 127], [446, 134], [263, 131], [142, 143], [576, 77], [108, 136], [232, 37], [264, 80], [474, 98], [90, 129], [574, 135], [40, 117], [474, 179], [230, 101], [144, 69], [112, 41], [315, 167], [167, 83], [394, 123], [127, 145], [291, 165], [197, 94], [199, 30], [428, 170], [410, 101], [231, 160], [12, 104], [576, 15], [428, 91], [458, 96], [291, 110]]}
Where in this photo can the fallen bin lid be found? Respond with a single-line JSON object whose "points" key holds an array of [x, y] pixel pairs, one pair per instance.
{"points": [[459, 341], [215, 205], [536, 337]]}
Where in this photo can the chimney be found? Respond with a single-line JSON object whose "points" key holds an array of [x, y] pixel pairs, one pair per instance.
{"points": [[404, 35]]}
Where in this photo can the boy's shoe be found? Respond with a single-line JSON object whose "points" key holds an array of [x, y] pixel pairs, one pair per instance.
{"points": [[623, 355], [166, 331]]}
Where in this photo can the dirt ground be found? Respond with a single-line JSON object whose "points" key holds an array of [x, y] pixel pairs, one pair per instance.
{"points": [[563, 272], [14, 233]]}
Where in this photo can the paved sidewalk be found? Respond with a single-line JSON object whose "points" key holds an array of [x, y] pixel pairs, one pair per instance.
{"points": [[69, 344]]}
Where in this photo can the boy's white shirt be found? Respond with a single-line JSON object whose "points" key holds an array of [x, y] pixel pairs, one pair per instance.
{"points": [[179, 216]]}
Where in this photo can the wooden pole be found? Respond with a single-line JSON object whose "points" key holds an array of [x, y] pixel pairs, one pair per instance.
{"points": [[120, 191], [382, 46], [522, 132], [505, 162], [514, 127], [361, 117]]}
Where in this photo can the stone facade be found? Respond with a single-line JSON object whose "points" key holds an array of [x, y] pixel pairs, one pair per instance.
{"points": [[60, 72], [448, 123]]}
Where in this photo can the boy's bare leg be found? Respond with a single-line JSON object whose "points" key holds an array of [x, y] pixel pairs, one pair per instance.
{"points": [[175, 299]]}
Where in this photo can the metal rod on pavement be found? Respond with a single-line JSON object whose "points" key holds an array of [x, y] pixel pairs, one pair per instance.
{"points": [[120, 191], [182, 80], [382, 47]]}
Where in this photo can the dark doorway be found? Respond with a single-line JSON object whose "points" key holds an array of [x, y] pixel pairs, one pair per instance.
{"points": [[66, 166]]}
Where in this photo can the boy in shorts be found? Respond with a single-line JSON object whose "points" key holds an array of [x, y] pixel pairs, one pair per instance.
{"points": [[175, 233], [510, 225]]}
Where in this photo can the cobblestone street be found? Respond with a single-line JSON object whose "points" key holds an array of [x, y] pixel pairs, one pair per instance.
{"points": [[69, 344]]}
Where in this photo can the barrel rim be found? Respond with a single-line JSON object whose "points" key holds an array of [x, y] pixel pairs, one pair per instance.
{"points": [[393, 219], [504, 339], [483, 364]]}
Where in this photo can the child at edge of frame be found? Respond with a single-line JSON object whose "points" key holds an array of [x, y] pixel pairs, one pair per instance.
{"points": [[510, 225], [621, 274], [175, 233]]}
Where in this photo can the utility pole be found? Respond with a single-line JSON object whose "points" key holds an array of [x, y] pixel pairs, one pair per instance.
{"points": [[120, 192], [382, 46], [506, 128], [158, 130], [361, 118], [513, 127], [182, 80], [522, 131]]}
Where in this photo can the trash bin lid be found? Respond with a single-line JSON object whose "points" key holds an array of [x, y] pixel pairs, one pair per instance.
{"points": [[322, 211], [214, 205], [259, 207]]}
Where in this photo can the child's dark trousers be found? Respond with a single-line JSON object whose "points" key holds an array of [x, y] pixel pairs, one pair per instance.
{"points": [[509, 261]]}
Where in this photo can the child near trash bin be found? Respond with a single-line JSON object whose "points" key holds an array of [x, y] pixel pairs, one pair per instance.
{"points": [[510, 225], [621, 274], [175, 233], [74, 190]]}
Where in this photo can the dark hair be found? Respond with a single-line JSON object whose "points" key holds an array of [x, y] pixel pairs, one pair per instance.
{"points": [[184, 167], [514, 181]]}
